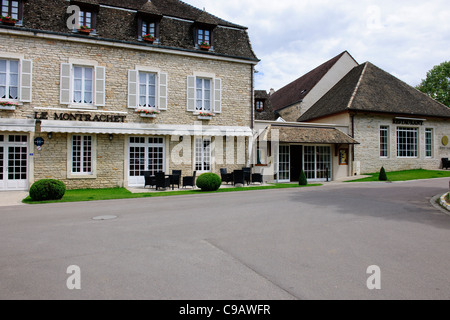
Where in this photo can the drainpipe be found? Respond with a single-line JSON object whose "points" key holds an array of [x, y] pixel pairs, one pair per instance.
{"points": [[353, 146]]}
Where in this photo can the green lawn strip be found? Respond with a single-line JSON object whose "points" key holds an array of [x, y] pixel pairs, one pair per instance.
{"points": [[407, 175], [122, 193]]}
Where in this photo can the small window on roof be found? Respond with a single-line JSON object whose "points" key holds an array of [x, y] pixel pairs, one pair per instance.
{"points": [[259, 105]]}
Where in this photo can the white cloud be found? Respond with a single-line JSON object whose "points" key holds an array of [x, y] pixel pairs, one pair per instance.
{"points": [[291, 37]]}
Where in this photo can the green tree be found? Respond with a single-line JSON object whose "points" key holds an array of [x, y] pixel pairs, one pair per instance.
{"points": [[437, 83], [382, 176]]}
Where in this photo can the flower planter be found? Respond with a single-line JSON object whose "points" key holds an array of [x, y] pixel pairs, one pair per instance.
{"points": [[205, 48], [204, 117], [85, 31], [149, 40], [8, 22], [147, 115], [8, 106]]}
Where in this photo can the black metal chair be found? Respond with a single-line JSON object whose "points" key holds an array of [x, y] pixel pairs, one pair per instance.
{"points": [[189, 181], [149, 179], [247, 174], [445, 163], [238, 177], [226, 177], [175, 178], [257, 178], [161, 180]]}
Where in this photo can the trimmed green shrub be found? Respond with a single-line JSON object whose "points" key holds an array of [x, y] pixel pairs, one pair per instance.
{"points": [[382, 176], [302, 180], [47, 189], [209, 182]]}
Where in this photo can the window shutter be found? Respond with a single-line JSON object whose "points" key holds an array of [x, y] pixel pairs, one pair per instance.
{"points": [[191, 93], [100, 79], [163, 87], [132, 88], [217, 95], [26, 81], [66, 94]]}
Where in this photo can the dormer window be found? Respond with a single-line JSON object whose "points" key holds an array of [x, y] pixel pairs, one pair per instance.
{"points": [[14, 9], [259, 105], [148, 27], [203, 36], [86, 19]]}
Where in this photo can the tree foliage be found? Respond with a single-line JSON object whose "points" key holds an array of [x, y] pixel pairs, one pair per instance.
{"points": [[437, 83]]}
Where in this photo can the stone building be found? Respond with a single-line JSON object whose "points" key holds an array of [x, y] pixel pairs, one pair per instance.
{"points": [[362, 118], [96, 97]]}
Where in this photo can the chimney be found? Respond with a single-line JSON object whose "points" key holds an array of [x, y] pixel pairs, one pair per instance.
{"points": [[272, 91]]}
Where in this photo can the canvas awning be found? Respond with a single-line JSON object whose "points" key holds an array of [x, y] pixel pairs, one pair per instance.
{"points": [[142, 129], [315, 135], [17, 125]]}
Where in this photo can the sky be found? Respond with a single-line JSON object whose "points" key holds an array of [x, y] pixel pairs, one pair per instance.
{"points": [[406, 38]]}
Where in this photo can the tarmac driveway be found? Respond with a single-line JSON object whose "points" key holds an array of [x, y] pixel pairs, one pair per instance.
{"points": [[312, 243]]}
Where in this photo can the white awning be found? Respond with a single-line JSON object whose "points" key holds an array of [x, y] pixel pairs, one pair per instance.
{"points": [[17, 125], [143, 129]]}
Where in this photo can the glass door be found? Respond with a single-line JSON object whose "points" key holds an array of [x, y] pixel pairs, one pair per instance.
{"points": [[317, 162], [284, 164], [13, 162]]}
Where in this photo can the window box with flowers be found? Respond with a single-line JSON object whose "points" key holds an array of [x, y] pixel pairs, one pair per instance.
{"points": [[148, 112], [149, 38], [84, 30], [8, 20], [205, 46], [7, 105], [205, 116]]}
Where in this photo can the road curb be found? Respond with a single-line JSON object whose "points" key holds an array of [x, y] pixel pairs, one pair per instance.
{"points": [[434, 203]]}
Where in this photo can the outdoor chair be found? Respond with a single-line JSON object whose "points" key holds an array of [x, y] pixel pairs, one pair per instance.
{"points": [[189, 181], [238, 177], [175, 178], [247, 174], [149, 179], [161, 180], [257, 178], [226, 177], [445, 163]]}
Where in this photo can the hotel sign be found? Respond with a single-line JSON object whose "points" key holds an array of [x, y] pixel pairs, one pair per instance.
{"points": [[79, 117], [409, 122]]}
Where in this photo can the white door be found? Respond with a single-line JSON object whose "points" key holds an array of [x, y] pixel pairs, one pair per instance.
{"points": [[145, 154], [13, 162]]}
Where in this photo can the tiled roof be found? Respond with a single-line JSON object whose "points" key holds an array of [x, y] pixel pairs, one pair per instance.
{"points": [[294, 134], [298, 89], [368, 88], [176, 25]]}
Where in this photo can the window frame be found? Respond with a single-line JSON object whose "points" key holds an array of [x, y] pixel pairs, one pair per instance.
{"points": [[92, 174], [200, 36], [19, 13], [83, 83], [147, 87], [8, 80], [429, 143], [387, 143], [203, 154], [403, 153], [202, 99], [259, 105], [148, 22]]}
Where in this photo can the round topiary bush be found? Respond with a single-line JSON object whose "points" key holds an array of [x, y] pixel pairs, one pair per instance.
{"points": [[47, 189], [209, 182]]}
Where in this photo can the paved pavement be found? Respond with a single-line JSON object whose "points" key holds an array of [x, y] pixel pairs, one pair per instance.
{"points": [[309, 243], [12, 198]]}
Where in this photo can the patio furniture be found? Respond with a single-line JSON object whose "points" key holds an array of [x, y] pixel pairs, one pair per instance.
{"points": [[257, 177], [445, 163], [149, 179], [238, 177], [226, 177], [175, 178], [247, 174], [162, 181], [189, 181]]}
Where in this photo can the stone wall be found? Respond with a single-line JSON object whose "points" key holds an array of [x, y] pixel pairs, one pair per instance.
{"points": [[367, 132]]}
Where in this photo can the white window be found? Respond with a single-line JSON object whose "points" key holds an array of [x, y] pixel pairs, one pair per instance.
{"points": [[203, 94], [9, 79], [384, 141], [82, 85], [407, 142], [202, 154], [15, 80], [82, 155], [429, 145], [83, 80], [147, 89]]}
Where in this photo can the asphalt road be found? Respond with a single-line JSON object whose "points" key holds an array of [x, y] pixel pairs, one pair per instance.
{"points": [[312, 243]]}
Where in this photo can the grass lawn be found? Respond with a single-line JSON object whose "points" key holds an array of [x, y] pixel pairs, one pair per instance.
{"points": [[407, 175], [122, 193]]}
